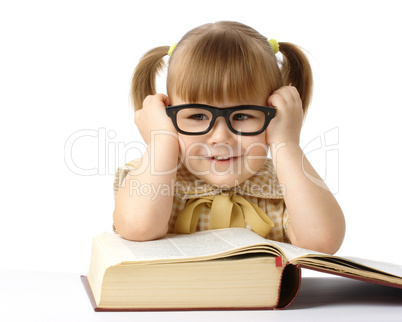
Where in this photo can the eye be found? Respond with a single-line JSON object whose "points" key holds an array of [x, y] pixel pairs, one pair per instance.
{"points": [[241, 117], [198, 117]]}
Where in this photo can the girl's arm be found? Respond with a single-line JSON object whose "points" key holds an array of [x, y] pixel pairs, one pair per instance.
{"points": [[316, 219], [144, 203]]}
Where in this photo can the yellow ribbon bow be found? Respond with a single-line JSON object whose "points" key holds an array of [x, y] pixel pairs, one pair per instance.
{"points": [[227, 210]]}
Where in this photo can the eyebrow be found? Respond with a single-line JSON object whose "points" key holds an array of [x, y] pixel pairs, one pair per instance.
{"points": [[215, 107]]}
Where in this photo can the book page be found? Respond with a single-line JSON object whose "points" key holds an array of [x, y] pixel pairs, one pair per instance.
{"points": [[205, 244], [299, 255], [292, 252], [389, 268]]}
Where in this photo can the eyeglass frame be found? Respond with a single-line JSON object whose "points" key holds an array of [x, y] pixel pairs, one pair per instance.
{"points": [[216, 112]]}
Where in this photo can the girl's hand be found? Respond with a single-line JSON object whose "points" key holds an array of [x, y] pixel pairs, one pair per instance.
{"points": [[152, 117], [285, 127]]}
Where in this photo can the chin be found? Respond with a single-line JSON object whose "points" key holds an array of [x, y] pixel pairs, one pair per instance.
{"points": [[223, 181]]}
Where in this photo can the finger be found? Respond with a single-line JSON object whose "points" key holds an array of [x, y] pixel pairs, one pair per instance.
{"points": [[288, 94], [147, 99], [294, 94], [276, 99], [279, 96], [162, 98], [166, 100], [137, 116]]}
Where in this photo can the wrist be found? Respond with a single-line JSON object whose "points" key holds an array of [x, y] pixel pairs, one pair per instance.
{"points": [[163, 150], [285, 151], [287, 136], [276, 144]]}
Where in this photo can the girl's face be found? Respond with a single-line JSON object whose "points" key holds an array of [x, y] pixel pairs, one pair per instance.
{"points": [[220, 157]]}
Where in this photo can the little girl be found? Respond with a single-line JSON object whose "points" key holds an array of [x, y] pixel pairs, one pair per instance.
{"points": [[206, 164]]}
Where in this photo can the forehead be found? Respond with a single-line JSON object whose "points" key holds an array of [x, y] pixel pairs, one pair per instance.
{"points": [[261, 101]]}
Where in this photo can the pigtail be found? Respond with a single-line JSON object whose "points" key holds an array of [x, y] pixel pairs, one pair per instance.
{"points": [[296, 71], [144, 78]]}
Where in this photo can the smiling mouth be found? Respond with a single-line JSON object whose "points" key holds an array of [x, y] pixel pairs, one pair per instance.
{"points": [[222, 158]]}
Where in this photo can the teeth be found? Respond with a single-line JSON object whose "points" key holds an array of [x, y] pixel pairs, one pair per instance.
{"points": [[222, 158]]}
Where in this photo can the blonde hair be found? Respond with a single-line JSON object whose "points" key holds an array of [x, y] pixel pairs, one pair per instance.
{"points": [[223, 62]]}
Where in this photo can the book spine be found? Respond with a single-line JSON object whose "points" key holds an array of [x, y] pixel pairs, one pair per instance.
{"points": [[289, 286]]}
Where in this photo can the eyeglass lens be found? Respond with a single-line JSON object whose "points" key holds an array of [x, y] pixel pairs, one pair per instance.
{"points": [[198, 120]]}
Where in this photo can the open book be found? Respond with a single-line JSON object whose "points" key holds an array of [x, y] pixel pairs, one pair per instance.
{"points": [[217, 269]]}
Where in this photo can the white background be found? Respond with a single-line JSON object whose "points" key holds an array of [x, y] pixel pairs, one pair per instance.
{"points": [[65, 72]]}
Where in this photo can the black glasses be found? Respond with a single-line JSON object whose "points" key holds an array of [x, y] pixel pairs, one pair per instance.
{"points": [[198, 119]]}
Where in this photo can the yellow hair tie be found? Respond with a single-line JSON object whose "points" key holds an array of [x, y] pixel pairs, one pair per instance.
{"points": [[274, 45], [170, 52]]}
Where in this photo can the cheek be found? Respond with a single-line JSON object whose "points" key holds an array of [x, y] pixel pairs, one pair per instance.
{"points": [[192, 146], [258, 149], [256, 153], [255, 146]]}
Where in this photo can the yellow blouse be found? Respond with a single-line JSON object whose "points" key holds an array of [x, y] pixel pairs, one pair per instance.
{"points": [[262, 189]]}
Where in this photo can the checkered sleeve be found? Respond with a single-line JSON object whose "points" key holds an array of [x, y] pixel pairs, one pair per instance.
{"points": [[120, 178], [121, 174]]}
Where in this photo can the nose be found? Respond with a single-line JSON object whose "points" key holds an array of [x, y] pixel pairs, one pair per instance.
{"points": [[220, 133]]}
